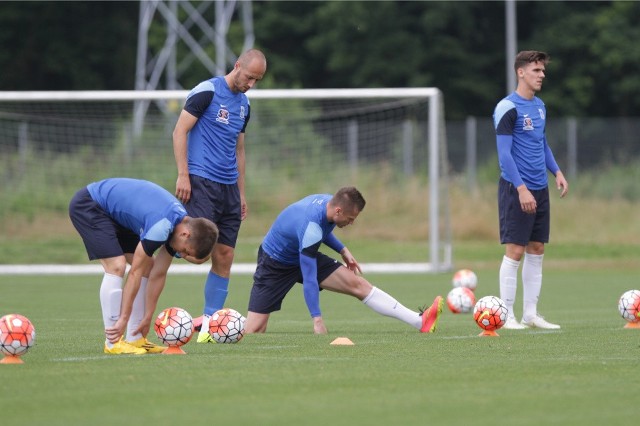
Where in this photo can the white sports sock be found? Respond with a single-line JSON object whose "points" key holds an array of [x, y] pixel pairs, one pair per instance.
{"points": [[531, 284], [110, 300], [509, 282], [386, 305], [137, 311], [205, 323]]}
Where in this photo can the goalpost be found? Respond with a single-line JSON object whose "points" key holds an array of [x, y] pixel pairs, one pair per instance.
{"points": [[390, 143]]}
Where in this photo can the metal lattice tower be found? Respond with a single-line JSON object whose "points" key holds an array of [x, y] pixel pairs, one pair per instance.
{"points": [[151, 67]]}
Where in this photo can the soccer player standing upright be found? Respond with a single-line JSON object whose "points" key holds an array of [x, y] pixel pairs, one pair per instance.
{"points": [[208, 145], [523, 194]]}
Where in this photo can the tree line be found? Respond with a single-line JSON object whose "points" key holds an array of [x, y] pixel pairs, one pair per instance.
{"points": [[454, 45]]}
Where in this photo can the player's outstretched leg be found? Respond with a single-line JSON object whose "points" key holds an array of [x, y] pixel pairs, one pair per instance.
{"points": [[431, 315]]}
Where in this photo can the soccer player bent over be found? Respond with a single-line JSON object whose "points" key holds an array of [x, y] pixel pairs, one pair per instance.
{"points": [[125, 221], [289, 254]]}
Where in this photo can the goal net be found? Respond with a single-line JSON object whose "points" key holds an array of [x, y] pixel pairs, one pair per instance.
{"points": [[390, 143]]}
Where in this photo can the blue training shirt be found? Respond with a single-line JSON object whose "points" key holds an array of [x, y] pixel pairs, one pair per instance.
{"points": [[523, 152], [222, 116], [296, 236], [141, 206]]}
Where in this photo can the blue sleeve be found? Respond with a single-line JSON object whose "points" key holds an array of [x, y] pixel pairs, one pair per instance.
{"points": [[156, 236], [506, 159], [310, 286], [198, 102], [246, 120], [504, 117], [151, 246], [171, 251], [549, 159], [333, 242]]}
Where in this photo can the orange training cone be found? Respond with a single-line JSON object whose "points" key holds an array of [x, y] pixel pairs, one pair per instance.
{"points": [[489, 333], [11, 359], [342, 341], [632, 325], [174, 350]]}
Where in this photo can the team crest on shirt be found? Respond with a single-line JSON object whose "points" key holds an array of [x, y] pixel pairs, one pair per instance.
{"points": [[541, 113], [528, 123], [242, 112], [223, 115]]}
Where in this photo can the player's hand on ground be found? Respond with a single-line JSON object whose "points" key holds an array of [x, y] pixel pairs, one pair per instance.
{"points": [[183, 189], [115, 333], [318, 326]]}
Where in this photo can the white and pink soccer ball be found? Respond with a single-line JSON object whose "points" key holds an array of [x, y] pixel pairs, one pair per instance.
{"points": [[174, 326], [465, 278], [226, 326], [17, 335], [490, 313], [629, 306], [461, 300]]}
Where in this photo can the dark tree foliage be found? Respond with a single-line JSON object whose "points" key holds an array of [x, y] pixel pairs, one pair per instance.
{"points": [[68, 45], [458, 46]]}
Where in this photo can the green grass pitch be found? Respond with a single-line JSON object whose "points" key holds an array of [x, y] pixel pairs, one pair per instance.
{"points": [[584, 374]]}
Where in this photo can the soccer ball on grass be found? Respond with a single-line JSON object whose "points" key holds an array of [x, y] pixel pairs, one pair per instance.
{"points": [[629, 306], [461, 300], [226, 326], [17, 335], [174, 326], [465, 278], [490, 313]]}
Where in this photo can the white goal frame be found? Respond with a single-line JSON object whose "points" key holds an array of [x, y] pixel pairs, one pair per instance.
{"points": [[439, 242]]}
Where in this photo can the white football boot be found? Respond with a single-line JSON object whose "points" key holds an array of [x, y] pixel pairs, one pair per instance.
{"points": [[539, 322], [513, 324]]}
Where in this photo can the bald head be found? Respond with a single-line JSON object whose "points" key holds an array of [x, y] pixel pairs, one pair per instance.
{"points": [[252, 55], [248, 70]]}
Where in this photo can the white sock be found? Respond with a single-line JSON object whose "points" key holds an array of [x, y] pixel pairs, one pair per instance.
{"points": [[509, 282], [386, 305], [205, 323], [531, 284], [110, 300], [137, 311]]}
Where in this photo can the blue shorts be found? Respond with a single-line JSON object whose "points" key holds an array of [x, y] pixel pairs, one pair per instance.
{"points": [[220, 203], [273, 280], [102, 236], [516, 226]]}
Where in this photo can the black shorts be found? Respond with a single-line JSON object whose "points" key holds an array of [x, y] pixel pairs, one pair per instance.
{"points": [[516, 226], [218, 202], [102, 236], [273, 280]]}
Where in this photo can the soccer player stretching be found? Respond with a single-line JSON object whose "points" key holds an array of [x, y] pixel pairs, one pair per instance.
{"points": [[125, 221], [289, 254]]}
